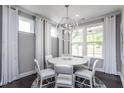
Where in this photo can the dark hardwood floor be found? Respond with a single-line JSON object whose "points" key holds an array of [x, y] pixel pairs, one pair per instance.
{"points": [[21, 83], [111, 81]]}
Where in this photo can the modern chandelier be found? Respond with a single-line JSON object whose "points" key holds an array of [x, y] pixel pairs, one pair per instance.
{"points": [[66, 25]]}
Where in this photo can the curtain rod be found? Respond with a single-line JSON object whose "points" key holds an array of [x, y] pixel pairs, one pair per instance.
{"points": [[33, 14], [99, 17]]}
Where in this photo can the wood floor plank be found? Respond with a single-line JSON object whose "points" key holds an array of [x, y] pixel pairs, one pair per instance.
{"points": [[111, 81]]}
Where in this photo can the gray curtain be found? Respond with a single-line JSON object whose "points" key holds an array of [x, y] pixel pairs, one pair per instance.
{"points": [[43, 40]]}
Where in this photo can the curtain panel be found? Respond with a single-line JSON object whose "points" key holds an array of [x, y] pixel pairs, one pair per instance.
{"points": [[9, 66], [61, 47], [43, 40], [47, 38], [39, 37], [109, 44]]}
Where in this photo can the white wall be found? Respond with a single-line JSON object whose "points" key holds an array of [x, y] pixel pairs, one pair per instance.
{"points": [[55, 48]]}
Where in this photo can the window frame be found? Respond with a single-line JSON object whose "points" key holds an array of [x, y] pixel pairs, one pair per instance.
{"points": [[84, 44], [29, 20]]}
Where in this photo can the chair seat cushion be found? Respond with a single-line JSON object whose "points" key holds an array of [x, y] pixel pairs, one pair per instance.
{"points": [[47, 73], [84, 73], [64, 79]]}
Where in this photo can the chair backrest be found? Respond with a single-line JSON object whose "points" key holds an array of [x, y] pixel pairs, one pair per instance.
{"points": [[89, 60], [94, 67], [37, 67], [64, 69], [46, 59]]}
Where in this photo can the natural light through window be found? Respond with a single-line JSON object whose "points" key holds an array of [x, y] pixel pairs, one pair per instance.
{"points": [[26, 25], [77, 41], [94, 41], [53, 32], [88, 41]]}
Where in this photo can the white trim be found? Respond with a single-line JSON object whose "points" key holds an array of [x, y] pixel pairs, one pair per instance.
{"points": [[122, 79], [27, 73]]}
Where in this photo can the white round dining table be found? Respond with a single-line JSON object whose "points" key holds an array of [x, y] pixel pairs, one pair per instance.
{"points": [[67, 61]]}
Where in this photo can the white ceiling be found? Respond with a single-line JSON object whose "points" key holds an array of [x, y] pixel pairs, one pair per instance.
{"points": [[55, 12]]}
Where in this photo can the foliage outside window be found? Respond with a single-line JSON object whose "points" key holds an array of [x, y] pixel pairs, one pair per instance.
{"points": [[88, 41]]}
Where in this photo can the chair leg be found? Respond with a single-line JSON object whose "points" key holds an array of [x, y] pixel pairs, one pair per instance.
{"points": [[73, 81], [37, 81], [91, 85], [55, 85], [40, 83], [55, 81], [94, 82]]}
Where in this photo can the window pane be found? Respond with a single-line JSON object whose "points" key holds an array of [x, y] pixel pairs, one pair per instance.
{"points": [[89, 48], [94, 40], [98, 55], [97, 37], [53, 32], [77, 36], [90, 55], [77, 49], [24, 26], [90, 38], [98, 48]]}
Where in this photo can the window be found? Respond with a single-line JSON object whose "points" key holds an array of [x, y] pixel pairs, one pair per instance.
{"points": [[77, 41], [87, 41], [26, 24], [53, 32], [94, 40]]}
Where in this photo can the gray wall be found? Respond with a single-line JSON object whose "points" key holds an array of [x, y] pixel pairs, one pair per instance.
{"points": [[122, 63], [26, 50], [54, 45], [122, 69], [0, 38], [118, 56]]}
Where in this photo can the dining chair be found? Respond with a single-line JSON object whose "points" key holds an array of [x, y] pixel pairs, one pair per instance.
{"points": [[64, 76], [43, 74], [87, 74], [87, 65], [83, 66], [48, 65]]}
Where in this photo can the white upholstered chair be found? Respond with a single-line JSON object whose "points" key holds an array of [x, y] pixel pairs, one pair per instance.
{"points": [[64, 76], [87, 65], [43, 74], [87, 74], [48, 65]]}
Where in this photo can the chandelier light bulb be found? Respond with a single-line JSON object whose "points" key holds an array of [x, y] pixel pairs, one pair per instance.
{"points": [[67, 24]]}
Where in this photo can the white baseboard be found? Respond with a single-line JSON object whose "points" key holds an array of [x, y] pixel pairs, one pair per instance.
{"points": [[26, 73], [122, 79]]}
